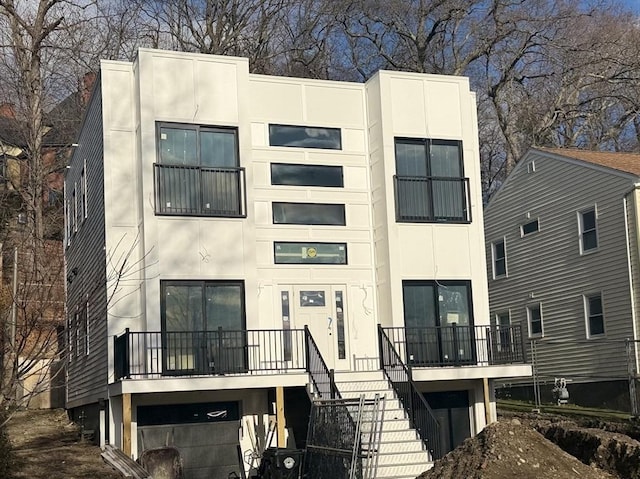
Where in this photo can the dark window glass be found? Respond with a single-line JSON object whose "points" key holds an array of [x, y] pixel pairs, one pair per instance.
{"points": [[197, 173], [430, 185], [310, 253], [595, 315], [306, 175], [188, 413], [589, 233], [438, 322], [308, 214], [530, 227], [499, 259], [535, 320], [312, 298], [305, 137], [504, 331]]}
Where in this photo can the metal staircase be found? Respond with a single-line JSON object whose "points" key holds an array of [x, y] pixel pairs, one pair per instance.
{"points": [[401, 453]]}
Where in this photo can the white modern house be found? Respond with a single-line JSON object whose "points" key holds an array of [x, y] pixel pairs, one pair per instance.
{"points": [[238, 244]]}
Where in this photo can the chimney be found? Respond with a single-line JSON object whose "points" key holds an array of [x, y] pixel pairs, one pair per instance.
{"points": [[8, 110], [88, 80]]}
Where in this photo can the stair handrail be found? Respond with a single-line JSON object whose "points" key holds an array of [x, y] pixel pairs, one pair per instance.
{"points": [[317, 369], [421, 416]]}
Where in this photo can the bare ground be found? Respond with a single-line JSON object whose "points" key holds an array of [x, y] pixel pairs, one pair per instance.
{"points": [[48, 446]]}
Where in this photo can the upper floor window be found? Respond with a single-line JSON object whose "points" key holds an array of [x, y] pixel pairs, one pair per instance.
{"points": [[505, 332], [305, 137], [306, 175], [309, 253], [594, 315], [588, 230], [309, 214], [429, 182], [534, 318], [499, 254], [198, 171], [530, 227]]}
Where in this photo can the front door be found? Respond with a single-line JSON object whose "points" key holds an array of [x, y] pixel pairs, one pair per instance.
{"points": [[322, 309], [438, 323]]}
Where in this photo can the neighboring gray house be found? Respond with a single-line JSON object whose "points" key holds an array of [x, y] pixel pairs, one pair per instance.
{"points": [[562, 250]]}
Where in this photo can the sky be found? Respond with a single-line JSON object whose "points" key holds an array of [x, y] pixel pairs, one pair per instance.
{"points": [[634, 5]]}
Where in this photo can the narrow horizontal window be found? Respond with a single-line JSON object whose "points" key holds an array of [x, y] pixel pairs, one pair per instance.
{"points": [[305, 137], [308, 214], [530, 227], [306, 175], [310, 253]]}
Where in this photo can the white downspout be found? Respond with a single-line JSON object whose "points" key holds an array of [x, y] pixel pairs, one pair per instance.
{"points": [[631, 285]]}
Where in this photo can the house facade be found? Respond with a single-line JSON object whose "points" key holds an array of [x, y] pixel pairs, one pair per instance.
{"points": [[562, 249], [239, 243]]}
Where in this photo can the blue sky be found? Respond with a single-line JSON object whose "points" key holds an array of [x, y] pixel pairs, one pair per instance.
{"points": [[632, 4]]}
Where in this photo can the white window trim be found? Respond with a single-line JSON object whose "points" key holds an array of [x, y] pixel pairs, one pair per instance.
{"points": [[540, 334], [503, 240], [579, 214], [585, 304], [529, 220], [85, 205]]}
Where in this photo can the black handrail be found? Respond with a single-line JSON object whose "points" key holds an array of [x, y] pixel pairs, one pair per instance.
{"points": [[420, 414], [322, 377]]}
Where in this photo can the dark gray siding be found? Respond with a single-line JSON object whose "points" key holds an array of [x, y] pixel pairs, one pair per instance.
{"points": [[85, 265], [547, 266]]}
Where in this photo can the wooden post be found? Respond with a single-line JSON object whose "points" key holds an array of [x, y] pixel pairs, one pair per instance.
{"points": [[126, 424], [487, 400], [280, 421]]}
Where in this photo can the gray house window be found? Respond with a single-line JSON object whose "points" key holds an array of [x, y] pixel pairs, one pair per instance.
{"points": [[305, 137], [534, 318], [530, 227], [308, 214], [306, 175], [594, 315], [499, 253], [588, 230]]}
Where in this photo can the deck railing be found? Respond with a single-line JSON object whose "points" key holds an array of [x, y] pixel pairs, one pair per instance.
{"points": [[458, 345], [432, 199], [321, 376], [197, 353], [420, 414]]}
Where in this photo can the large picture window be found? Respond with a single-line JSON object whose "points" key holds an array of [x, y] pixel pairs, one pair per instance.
{"points": [[429, 182], [438, 322], [203, 325], [309, 214], [198, 171]]}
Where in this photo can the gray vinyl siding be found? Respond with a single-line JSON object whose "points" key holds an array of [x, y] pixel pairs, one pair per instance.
{"points": [[87, 373], [547, 268]]}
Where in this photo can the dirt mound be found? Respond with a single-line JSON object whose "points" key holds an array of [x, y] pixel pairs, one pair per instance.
{"points": [[507, 449]]}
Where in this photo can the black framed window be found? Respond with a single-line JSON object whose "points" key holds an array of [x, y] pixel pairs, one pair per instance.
{"points": [[198, 171], [203, 326], [305, 137], [429, 184], [499, 254], [309, 214], [438, 317], [530, 227], [534, 318], [306, 175], [309, 253], [594, 314], [588, 230]]}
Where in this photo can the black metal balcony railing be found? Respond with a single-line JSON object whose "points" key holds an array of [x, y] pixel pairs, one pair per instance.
{"points": [[199, 191], [322, 377], [195, 353], [458, 345], [423, 199], [420, 414]]}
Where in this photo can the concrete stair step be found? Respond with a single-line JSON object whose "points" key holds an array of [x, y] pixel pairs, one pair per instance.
{"points": [[405, 470], [356, 376], [390, 459], [397, 447], [375, 385], [389, 425], [398, 436]]}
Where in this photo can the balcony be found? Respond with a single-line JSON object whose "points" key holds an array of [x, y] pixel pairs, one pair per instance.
{"points": [[432, 199], [454, 345], [199, 191], [148, 355]]}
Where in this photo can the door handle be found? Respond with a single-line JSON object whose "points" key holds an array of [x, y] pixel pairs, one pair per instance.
{"points": [[329, 323]]}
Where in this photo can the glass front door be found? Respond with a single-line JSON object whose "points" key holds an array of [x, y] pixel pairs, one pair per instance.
{"points": [[438, 323]]}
